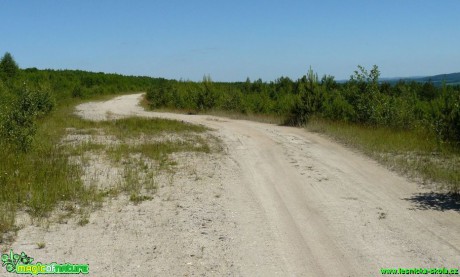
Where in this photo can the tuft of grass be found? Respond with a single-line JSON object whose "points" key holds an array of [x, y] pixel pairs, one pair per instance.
{"points": [[41, 245], [131, 180], [83, 221], [415, 153], [7, 215], [136, 198]]}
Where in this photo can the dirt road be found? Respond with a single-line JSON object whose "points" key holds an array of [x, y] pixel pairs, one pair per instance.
{"points": [[291, 203]]}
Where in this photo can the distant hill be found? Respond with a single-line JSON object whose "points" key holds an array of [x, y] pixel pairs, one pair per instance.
{"points": [[450, 79], [437, 80]]}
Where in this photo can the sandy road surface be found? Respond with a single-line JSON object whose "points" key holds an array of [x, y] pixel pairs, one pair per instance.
{"points": [[293, 204]]}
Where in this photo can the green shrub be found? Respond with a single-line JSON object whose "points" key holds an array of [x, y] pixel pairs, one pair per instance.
{"points": [[445, 113], [232, 101], [8, 67], [18, 121], [336, 107], [77, 92], [207, 96], [310, 101]]}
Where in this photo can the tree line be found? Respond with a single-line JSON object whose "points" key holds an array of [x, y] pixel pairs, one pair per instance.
{"points": [[363, 99], [26, 95]]}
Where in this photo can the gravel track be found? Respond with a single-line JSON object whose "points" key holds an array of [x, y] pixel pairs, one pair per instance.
{"points": [[279, 201]]}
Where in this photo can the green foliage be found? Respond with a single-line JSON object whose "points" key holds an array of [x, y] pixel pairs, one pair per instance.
{"points": [[8, 67], [207, 97], [310, 101], [336, 107], [445, 112], [362, 100], [18, 122], [160, 97], [77, 92], [233, 101], [428, 91], [369, 103], [42, 175], [25, 100]]}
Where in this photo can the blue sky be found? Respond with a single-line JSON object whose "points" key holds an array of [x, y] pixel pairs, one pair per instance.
{"points": [[232, 40]]}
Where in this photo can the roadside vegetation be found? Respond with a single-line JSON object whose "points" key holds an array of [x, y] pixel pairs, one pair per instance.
{"points": [[40, 171], [413, 153]]}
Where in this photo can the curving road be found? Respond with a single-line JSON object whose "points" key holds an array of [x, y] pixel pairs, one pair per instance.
{"points": [[306, 206]]}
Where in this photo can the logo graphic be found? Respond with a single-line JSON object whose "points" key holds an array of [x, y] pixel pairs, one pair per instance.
{"points": [[22, 264]]}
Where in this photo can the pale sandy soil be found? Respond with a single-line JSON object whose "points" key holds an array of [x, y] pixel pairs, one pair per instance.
{"points": [[278, 201]]}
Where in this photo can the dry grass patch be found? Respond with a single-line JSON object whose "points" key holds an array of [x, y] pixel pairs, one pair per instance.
{"points": [[414, 153]]}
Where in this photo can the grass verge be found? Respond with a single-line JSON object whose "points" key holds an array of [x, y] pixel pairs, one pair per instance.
{"points": [[416, 153]]}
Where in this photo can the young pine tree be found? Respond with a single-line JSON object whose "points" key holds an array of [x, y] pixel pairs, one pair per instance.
{"points": [[8, 67]]}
